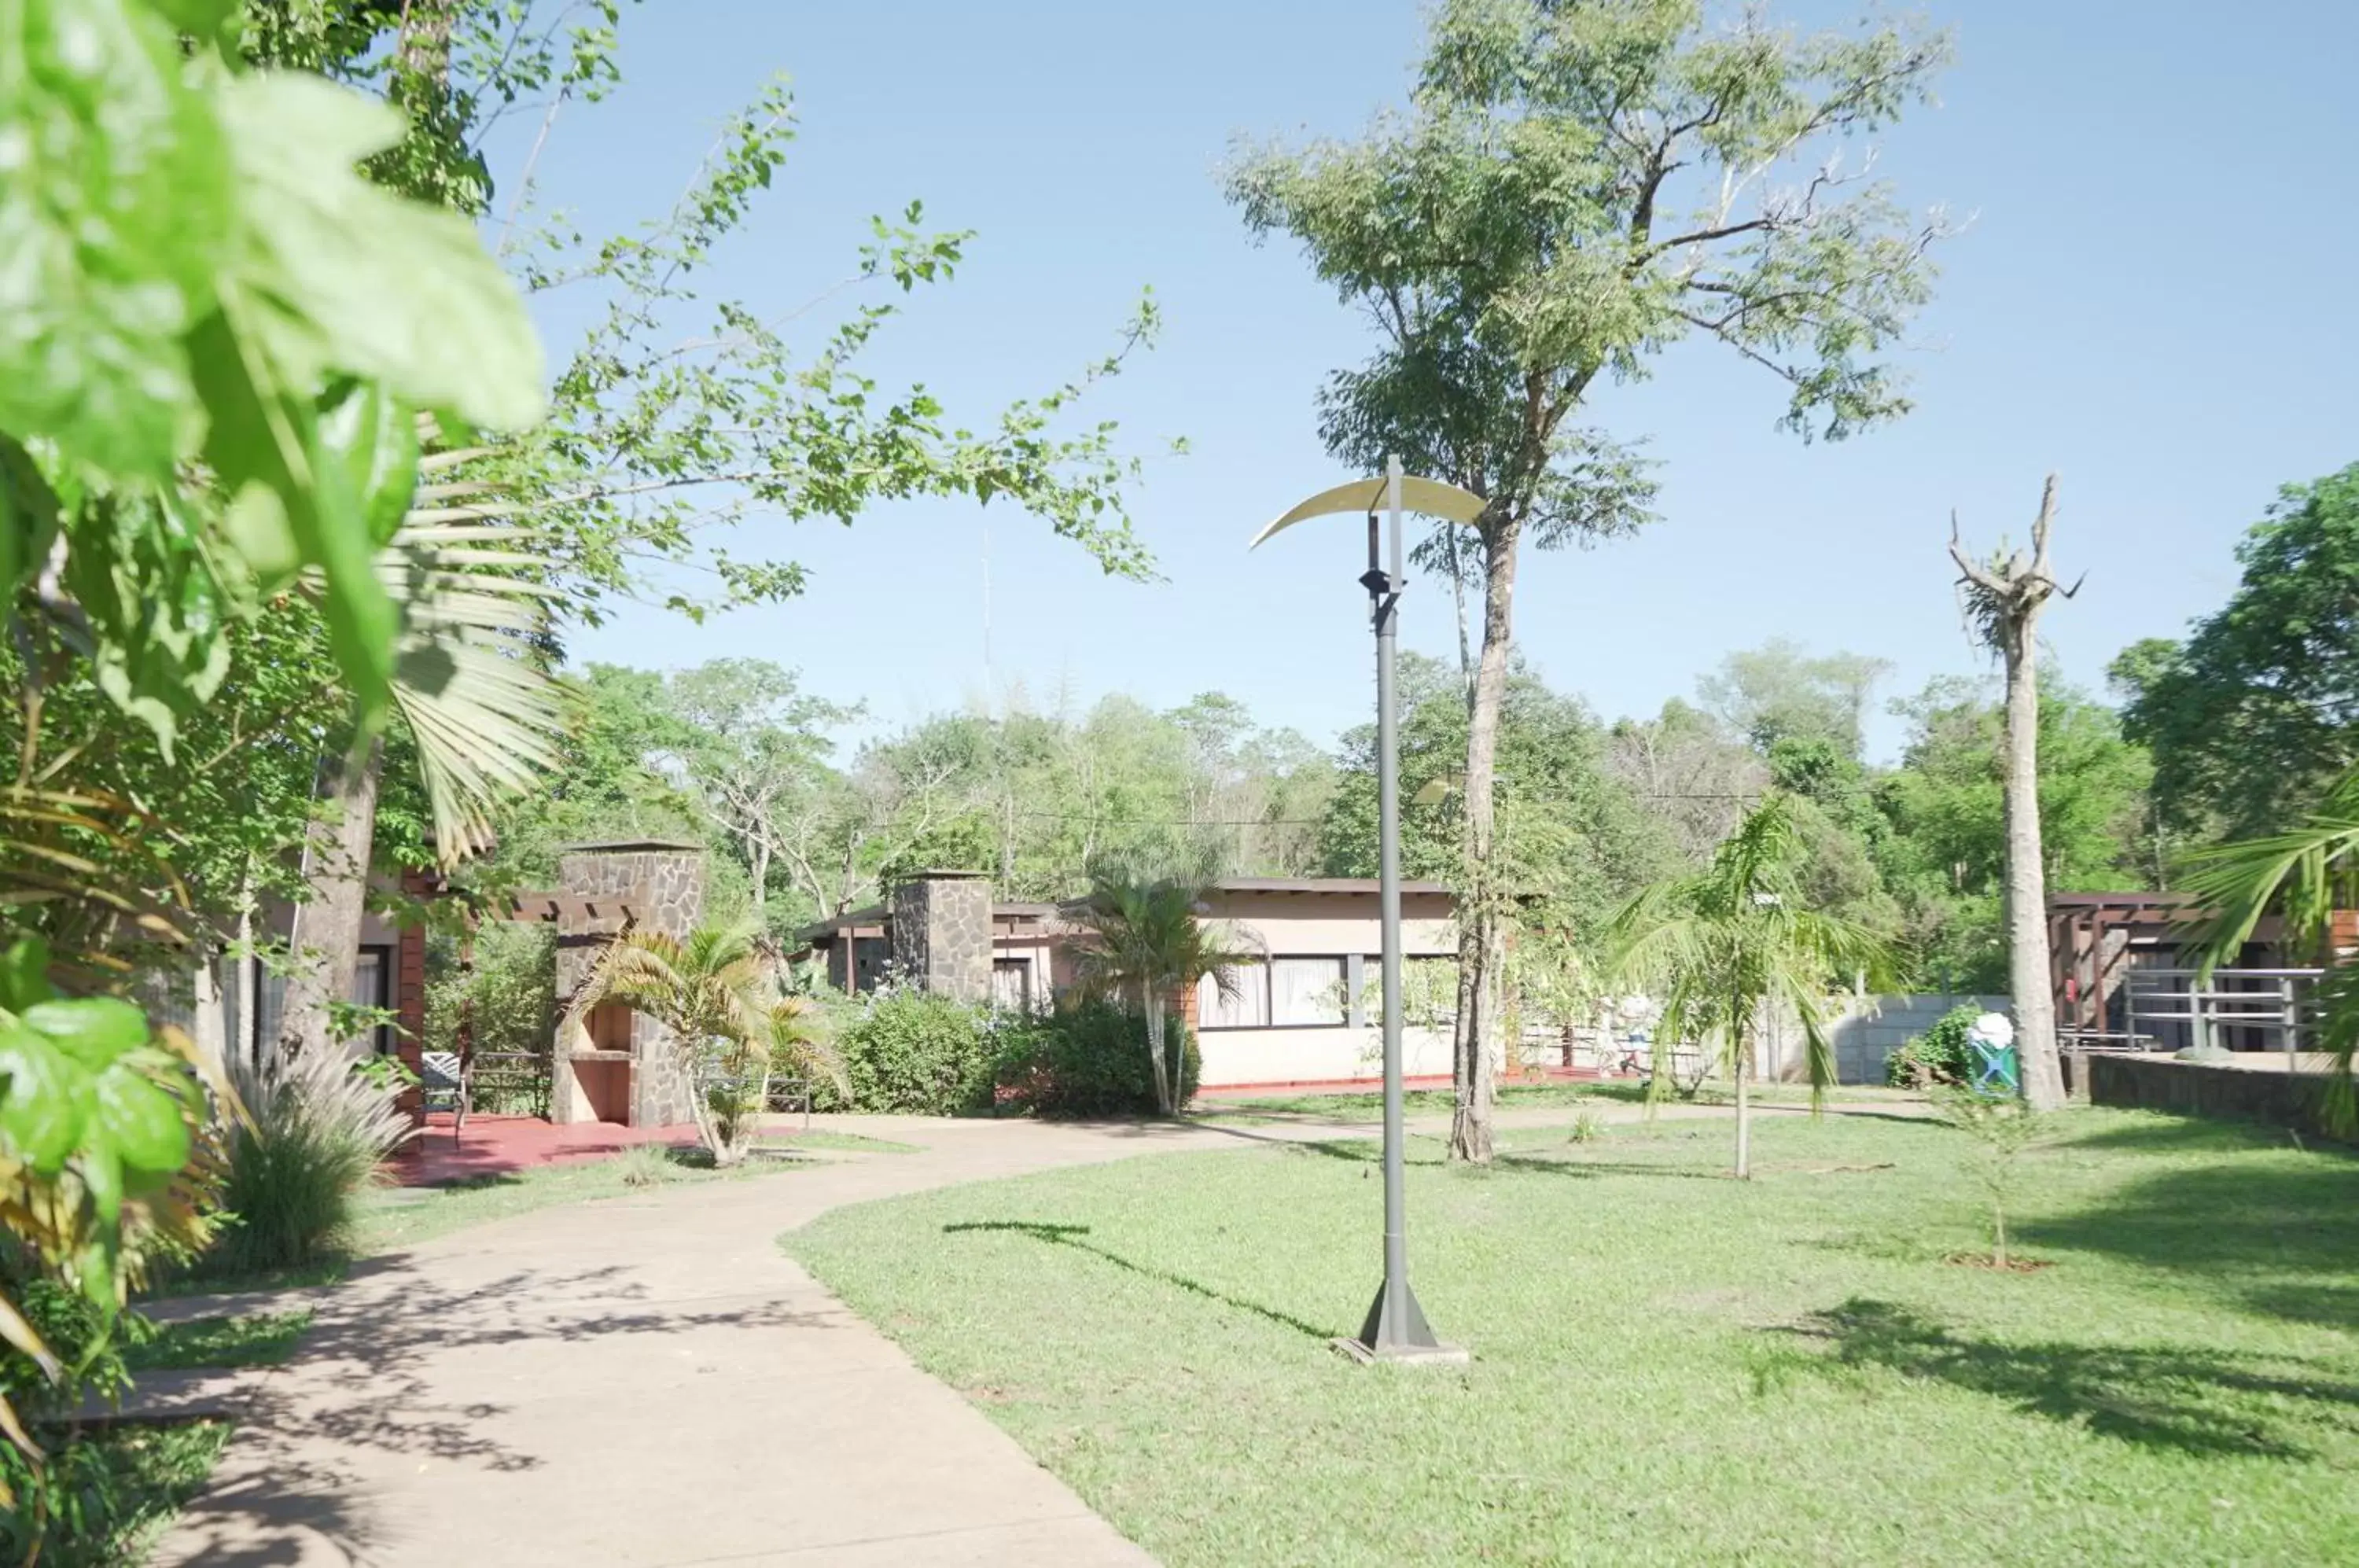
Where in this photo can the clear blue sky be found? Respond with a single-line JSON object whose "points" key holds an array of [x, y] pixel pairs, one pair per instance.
{"points": [[2152, 299]]}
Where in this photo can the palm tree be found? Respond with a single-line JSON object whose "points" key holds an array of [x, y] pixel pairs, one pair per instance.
{"points": [[716, 994], [1144, 939], [2306, 874], [471, 682], [1730, 944]]}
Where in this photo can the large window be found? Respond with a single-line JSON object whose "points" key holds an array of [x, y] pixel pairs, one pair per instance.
{"points": [[1281, 993], [1306, 991], [371, 974], [1247, 1006]]}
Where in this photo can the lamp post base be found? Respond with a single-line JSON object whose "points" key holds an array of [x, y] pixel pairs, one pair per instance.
{"points": [[1396, 1332], [1434, 1355]]}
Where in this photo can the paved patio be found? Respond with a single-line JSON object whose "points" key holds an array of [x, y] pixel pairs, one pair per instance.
{"points": [[500, 1146]]}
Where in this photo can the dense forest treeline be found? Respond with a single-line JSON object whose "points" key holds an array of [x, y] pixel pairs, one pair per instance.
{"points": [[734, 753], [2230, 732]]}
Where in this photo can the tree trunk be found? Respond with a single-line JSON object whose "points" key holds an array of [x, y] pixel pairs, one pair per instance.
{"points": [[2026, 880], [210, 1022], [708, 1130], [1744, 1114], [1458, 602], [1481, 937], [248, 1044], [1154, 1005], [325, 942]]}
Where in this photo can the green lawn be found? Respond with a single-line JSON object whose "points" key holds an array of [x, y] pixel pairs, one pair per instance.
{"points": [[820, 1139], [257, 1339], [1670, 1366], [1368, 1104], [393, 1218]]}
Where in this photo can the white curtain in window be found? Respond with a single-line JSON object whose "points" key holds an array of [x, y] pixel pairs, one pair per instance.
{"points": [[369, 991], [1248, 1008], [1306, 990]]}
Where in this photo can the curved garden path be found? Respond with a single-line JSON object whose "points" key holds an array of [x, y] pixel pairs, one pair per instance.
{"points": [[650, 1381]]}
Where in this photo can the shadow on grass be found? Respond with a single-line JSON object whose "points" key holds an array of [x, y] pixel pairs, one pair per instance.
{"points": [[2274, 1235], [2213, 1404], [2159, 1132], [1072, 1236]]}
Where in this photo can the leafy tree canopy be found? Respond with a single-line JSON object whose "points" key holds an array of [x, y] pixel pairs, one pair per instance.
{"points": [[1573, 839], [2257, 712]]}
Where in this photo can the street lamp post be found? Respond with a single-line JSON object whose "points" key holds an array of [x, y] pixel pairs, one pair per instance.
{"points": [[1396, 1328]]}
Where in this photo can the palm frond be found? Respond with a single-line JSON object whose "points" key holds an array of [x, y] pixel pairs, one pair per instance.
{"points": [[2304, 873], [469, 675]]}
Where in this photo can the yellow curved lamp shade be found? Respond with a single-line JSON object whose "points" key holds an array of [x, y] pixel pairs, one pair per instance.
{"points": [[1430, 496]]}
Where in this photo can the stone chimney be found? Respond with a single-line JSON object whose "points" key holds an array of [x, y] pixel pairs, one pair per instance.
{"points": [[665, 878], [942, 933]]}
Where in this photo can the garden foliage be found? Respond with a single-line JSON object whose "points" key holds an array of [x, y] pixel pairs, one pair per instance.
{"points": [[1089, 1059], [913, 1053], [297, 1170], [1943, 1054]]}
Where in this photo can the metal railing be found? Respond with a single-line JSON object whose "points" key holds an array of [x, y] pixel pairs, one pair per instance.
{"points": [[2170, 1009]]}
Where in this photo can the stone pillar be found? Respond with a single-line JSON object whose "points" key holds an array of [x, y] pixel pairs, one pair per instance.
{"points": [[665, 878], [942, 933]]}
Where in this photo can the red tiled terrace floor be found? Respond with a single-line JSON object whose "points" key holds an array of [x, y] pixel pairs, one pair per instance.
{"points": [[499, 1146]]}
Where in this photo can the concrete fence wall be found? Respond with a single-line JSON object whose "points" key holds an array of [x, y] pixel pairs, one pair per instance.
{"points": [[1879, 1027]]}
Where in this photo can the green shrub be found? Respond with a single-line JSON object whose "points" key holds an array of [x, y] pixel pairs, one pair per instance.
{"points": [[1088, 1060], [1943, 1054], [67, 1508], [913, 1053], [319, 1130], [647, 1165]]}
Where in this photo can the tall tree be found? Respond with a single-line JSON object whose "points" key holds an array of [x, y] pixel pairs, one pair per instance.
{"points": [[1689, 773], [1780, 691], [2257, 712], [1577, 187], [1730, 946], [674, 414], [2003, 597], [1943, 850], [1572, 840], [752, 746]]}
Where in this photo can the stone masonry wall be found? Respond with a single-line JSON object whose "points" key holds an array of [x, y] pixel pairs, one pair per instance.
{"points": [[942, 933], [667, 880]]}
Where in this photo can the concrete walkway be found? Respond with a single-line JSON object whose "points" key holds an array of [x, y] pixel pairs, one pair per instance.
{"points": [[650, 1382]]}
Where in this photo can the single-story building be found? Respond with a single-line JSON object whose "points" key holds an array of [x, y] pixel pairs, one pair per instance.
{"points": [[1303, 1009]]}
